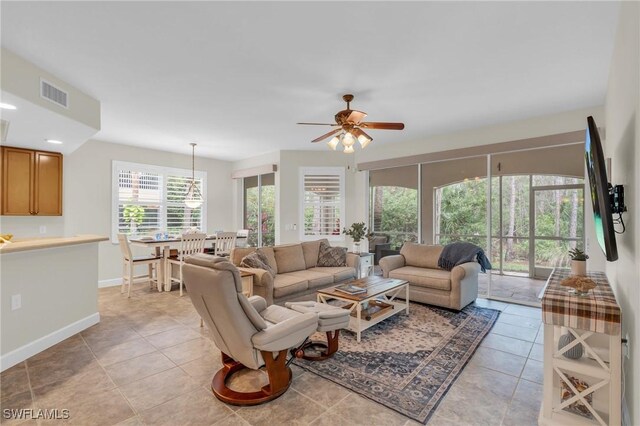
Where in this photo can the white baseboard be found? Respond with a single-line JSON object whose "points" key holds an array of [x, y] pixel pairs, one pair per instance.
{"points": [[109, 283], [30, 349]]}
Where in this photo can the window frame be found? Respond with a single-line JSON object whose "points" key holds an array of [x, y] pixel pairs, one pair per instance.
{"points": [[117, 166], [336, 171]]}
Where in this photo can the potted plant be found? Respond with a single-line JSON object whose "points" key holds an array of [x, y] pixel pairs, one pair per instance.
{"points": [[578, 262], [357, 231]]}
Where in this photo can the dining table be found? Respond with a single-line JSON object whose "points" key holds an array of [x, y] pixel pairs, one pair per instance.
{"points": [[162, 247]]}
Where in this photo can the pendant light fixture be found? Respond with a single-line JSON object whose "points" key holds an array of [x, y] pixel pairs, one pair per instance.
{"points": [[193, 198]]}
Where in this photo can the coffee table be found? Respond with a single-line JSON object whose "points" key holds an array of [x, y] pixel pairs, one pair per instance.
{"points": [[376, 304]]}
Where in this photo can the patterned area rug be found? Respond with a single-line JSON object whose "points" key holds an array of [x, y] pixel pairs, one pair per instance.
{"points": [[408, 363]]}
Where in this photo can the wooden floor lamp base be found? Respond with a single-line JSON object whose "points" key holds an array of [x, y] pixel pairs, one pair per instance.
{"points": [[326, 350], [279, 380]]}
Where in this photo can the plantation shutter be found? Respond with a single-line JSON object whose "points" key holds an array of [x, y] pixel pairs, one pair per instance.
{"points": [[139, 202], [149, 199], [323, 202], [179, 216]]}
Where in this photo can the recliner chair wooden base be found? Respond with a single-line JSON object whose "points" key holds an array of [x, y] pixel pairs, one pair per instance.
{"points": [[279, 373], [326, 349]]}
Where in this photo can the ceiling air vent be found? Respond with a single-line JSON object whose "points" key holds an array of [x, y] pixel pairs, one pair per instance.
{"points": [[53, 94]]}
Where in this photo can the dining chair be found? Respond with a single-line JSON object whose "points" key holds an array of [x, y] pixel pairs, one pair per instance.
{"points": [[129, 263], [190, 243], [225, 241], [242, 238]]}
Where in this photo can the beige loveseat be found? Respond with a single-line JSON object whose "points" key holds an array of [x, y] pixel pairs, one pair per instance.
{"points": [[418, 264], [296, 272]]}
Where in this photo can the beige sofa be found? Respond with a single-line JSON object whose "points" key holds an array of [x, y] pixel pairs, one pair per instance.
{"points": [[418, 264], [297, 275]]}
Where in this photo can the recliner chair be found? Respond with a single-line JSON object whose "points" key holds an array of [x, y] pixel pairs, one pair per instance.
{"points": [[248, 333]]}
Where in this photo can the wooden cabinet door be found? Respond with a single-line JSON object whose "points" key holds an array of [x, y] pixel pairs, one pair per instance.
{"points": [[48, 184], [17, 181]]}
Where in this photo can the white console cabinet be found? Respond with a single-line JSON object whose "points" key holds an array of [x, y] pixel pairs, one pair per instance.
{"points": [[586, 390]]}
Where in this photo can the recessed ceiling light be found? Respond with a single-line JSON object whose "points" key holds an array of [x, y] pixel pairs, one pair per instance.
{"points": [[53, 141], [6, 106]]}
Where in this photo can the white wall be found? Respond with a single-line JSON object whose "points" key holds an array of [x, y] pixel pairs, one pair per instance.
{"points": [[522, 129], [87, 196], [622, 145]]}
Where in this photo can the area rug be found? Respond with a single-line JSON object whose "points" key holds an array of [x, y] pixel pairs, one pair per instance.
{"points": [[408, 363]]}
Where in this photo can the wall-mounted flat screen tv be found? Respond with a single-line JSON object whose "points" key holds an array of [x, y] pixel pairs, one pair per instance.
{"points": [[599, 189]]}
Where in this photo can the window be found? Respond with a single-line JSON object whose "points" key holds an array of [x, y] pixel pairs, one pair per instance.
{"points": [[149, 199], [322, 195]]}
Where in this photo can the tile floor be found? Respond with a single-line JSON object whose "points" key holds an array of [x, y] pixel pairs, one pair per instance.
{"points": [[149, 362]]}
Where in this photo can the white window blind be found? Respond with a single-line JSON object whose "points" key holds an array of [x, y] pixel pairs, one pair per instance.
{"points": [[150, 199], [322, 194]]}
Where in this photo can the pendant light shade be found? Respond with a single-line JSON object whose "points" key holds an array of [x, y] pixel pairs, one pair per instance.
{"points": [[193, 198]]}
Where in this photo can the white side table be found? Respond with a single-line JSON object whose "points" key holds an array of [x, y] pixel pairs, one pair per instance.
{"points": [[365, 267]]}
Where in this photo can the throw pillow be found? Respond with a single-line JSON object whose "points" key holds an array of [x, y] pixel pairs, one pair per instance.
{"points": [[332, 256], [257, 260]]}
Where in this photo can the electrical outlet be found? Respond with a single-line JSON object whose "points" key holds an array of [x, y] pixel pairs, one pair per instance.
{"points": [[16, 302], [43, 229]]}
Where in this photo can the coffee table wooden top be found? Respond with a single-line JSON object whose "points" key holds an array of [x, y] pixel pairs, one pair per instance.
{"points": [[375, 286]]}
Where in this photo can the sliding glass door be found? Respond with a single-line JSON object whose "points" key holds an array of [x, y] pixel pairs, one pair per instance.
{"points": [[259, 201], [558, 223], [394, 204]]}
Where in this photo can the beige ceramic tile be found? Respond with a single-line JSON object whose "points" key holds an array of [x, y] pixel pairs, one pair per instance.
{"points": [[522, 333], [196, 408], [524, 311], [159, 388], [11, 406], [319, 390], [104, 408], [155, 324], [356, 410], [232, 420], [520, 321], [525, 406], [188, 351], [138, 368], [533, 371], [203, 369], [507, 344], [99, 339], [172, 337], [498, 361], [291, 409], [80, 385], [123, 351], [14, 380], [537, 352]]}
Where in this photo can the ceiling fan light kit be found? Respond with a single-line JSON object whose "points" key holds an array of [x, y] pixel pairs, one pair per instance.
{"points": [[349, 128]]}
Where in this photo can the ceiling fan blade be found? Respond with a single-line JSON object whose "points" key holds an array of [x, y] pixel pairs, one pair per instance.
{"points": [[319, 124], [382, 126], [326, 135], [357, 132], [356, 117]]}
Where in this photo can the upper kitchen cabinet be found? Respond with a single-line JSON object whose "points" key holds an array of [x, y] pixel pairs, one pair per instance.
{"points": [[31, 182]]}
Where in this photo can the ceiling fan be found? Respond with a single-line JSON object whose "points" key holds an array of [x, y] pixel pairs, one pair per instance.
{"points": [[349, 127]]}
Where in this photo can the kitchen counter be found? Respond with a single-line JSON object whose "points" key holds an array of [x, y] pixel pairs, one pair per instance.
{"points": [[49, 292], [43, 243]]}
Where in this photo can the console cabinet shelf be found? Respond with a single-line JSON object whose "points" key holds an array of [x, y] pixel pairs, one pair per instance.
{"points": [[31, 182]]}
